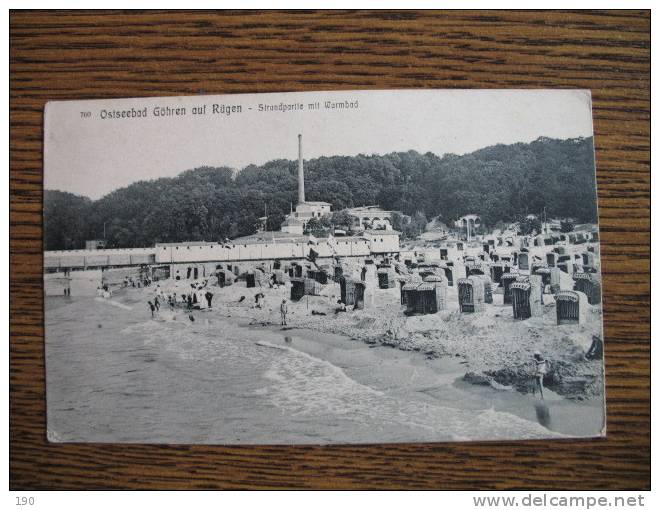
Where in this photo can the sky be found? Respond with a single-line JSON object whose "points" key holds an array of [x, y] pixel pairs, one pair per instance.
{"points": [[91, 156]]}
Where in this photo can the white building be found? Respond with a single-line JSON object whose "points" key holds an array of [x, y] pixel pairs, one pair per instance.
{"points": [[292, 225], [471, 220], [371, 217], [308, 210]]}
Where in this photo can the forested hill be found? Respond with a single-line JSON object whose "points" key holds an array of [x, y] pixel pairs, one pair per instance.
{"points": [[499, 183]]}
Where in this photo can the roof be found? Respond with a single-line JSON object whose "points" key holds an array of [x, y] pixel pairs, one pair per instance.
{"points": [[367, 209], [265, 237], [315, 203], [382, 232], [189, 243]]}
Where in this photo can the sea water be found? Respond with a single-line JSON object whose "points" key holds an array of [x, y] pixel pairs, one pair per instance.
{"points": [[116, 375]]}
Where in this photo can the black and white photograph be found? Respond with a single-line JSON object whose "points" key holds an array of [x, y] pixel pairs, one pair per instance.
{"points": [[346, 267]]}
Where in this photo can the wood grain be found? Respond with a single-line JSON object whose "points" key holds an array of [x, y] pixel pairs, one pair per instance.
{"points": [[78, 55]]}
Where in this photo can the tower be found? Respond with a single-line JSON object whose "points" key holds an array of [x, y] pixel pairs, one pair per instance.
{"points": [[301, 173]]}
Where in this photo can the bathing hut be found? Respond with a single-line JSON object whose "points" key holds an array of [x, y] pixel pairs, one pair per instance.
{"points": [[444, 254], [427, 297], [292, 272], [312, 287], [459, 246], [551, 259], [571, 307], [521, 299], [486, 247], [565, 264], [407, 287], [251, 279], [338, 272], [319, 275], [474, 269], [588, 284], [438, 299], [549, 277], [347, 290], [386, 278], [526, 298], [298, 271], [497, 270], [506, 281], [297, 288], [559, 250], [523, 260], [359, 295], [277, 264], [225, 277], [470, 295], [279, 276]]}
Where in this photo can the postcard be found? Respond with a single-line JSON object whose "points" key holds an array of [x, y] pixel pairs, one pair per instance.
{"points": [[323, 267]]}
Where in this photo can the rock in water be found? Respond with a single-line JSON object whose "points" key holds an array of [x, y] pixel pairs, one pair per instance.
{"points": [[192, 319], [542, 414], [288, 339]]}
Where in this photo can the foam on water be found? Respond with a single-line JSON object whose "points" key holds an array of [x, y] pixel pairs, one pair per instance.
{"points": [[305, 385], [113, 303], [210, 381]]}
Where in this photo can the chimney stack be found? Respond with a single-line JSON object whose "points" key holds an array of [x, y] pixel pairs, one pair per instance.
{"points": [[301, 174]]}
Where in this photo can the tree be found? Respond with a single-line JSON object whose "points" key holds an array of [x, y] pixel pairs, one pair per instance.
{"points": [[566, 226], [341, 219], [318, 226], [500, 183]]}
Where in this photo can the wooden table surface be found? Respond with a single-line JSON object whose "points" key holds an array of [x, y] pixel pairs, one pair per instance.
{"points": [[81, 55]]}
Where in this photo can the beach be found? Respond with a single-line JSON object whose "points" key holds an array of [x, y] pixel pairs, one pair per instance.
{"points": [[232, 376]]}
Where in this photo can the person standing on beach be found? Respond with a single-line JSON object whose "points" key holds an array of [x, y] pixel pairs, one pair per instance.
{"points": [[283, 312], [540, 370], [209, 297], [157, 303], [153, 308]]}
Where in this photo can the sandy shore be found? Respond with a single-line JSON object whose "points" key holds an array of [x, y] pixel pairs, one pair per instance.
{"points": [[494, 348], [227, 379]]}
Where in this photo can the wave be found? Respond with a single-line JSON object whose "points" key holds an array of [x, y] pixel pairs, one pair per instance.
{"points": [[308, 386]]}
